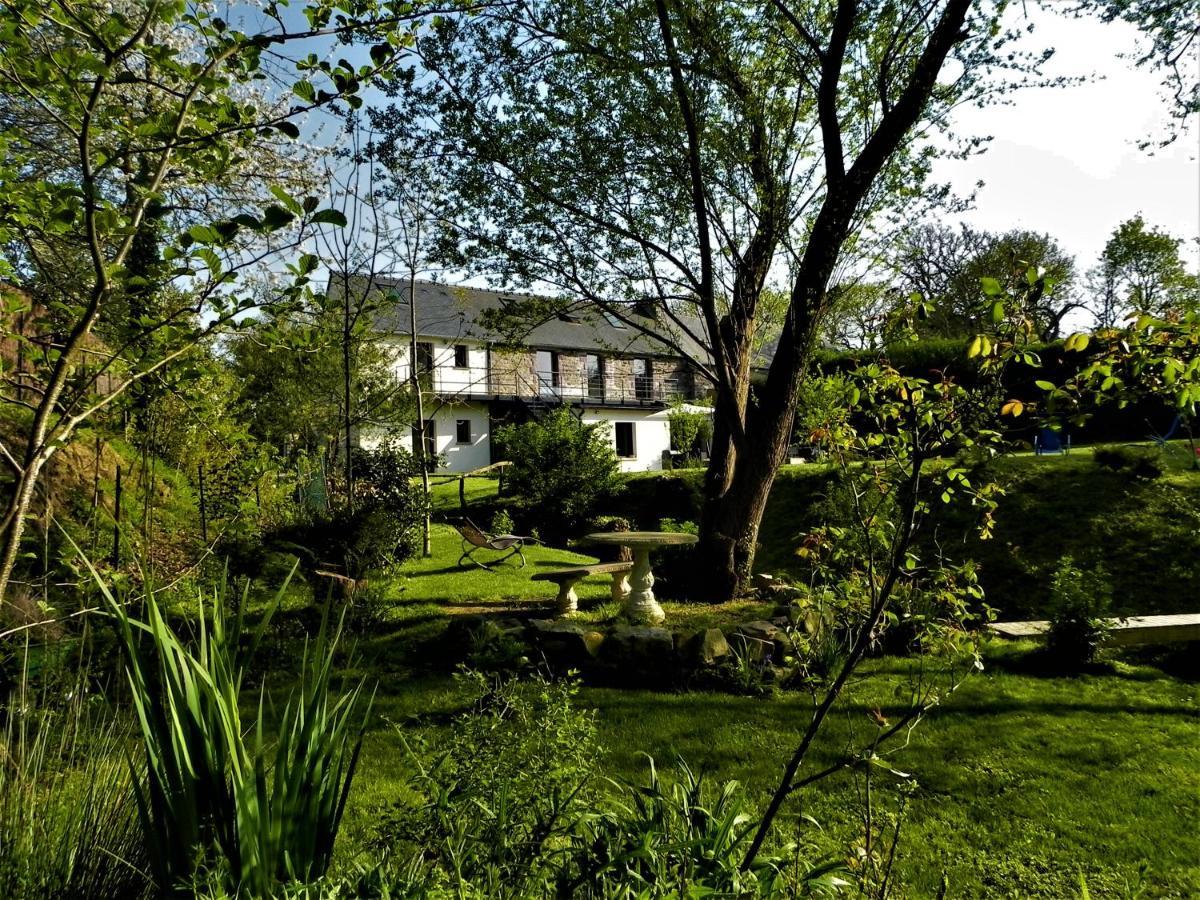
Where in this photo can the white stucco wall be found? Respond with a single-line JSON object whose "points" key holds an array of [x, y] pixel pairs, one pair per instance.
{"points": [[651, 435], [454, 457], [448, 380]]}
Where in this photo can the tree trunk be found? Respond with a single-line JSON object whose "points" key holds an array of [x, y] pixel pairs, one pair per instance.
{"points": [[734, 503], [419, 443], [15, 515]]}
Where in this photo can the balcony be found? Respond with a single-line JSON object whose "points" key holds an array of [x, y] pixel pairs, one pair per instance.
{"points": [[608, 389]]}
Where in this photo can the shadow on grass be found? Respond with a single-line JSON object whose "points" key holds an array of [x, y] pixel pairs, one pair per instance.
{"points": [[490, 569], [616, 699], [1133, 664]]}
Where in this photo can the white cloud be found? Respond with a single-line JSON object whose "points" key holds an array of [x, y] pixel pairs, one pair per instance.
{"points": [[1065, 160]]}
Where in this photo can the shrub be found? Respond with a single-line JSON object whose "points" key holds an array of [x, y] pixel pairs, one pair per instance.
{"points": [[513, 781], [379, 529], [368, 607], [691, 431], [502, 522], [611, 524], [367, 539], [1080, 604], [510, 809], [1141, 463], [644, 499], [561, 469]]}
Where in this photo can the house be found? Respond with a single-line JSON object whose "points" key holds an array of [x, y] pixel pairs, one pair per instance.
{"points": [[604, 370]]}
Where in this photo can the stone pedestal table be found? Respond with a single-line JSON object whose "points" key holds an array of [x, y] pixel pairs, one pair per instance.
{"points": [[640, 606]]}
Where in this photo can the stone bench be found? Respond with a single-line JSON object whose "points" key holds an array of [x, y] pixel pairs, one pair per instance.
{"points": [[567, 601], [1125, 632]]}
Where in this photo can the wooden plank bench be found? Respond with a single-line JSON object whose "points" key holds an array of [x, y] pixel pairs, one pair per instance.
{"points": [[567, 601], [1124, 633]]}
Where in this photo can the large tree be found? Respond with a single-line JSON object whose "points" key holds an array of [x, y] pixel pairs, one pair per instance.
{"points": [[946, 265], [690, 153], [118, 120], [1141, 270]]}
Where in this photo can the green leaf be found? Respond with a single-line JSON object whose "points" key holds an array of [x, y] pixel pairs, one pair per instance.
{"points": [[380, 53], [276, 217], [305, 91], [1045, 385], [204, 234], [289, 202], [991, 287], [1077, 342], [333, 217]]}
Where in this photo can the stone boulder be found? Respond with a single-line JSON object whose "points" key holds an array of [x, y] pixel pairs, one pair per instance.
{"points": [[705, 648], [630, 650], [565, 645], [761, 640]]}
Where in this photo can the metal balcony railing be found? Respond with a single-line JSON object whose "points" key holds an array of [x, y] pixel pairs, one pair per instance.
{"points": [[606, 388]]}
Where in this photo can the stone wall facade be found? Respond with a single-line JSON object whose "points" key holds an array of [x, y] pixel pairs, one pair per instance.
{"points": [[514, 373]]}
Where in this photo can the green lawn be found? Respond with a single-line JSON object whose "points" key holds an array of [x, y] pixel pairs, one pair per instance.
{"points": [[1024, 781], [1144, 534]]}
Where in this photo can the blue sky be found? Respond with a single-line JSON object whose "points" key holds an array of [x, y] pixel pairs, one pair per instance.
{"points": [[1065, 160]]}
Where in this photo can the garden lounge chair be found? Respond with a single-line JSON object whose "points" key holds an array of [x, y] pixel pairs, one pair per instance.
{"points": [[475, 539], [1050, 441]]}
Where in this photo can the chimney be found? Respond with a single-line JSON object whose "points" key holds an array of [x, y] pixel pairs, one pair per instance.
{"points": [[646, 307]]}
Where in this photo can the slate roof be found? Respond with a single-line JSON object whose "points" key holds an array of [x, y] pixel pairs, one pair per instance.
{"points": [[455, 313]]}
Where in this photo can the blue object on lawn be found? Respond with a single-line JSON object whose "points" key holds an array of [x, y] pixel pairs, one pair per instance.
{"points": [[1161, 439], [1050, 441]]}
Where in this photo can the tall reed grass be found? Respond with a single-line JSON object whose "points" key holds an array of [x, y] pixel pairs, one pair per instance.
{"points": [[67, 826], [226, 799]]}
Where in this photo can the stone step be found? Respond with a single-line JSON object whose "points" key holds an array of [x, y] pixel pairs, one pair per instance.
{"points": [[1125, 632]]}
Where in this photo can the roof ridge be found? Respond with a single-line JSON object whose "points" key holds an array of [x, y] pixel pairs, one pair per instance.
{"points": [[455, 287]]}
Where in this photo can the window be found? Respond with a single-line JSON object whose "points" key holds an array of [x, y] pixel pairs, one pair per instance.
{"points": [[643, 379], [612, 319], [546, 365], [460, 356], [430, 440], [623, 431], [595, 377], [462, 431]]}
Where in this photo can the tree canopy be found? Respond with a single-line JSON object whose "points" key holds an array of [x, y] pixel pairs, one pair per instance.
{"points": [[1141, 270], [946, 267], [693, 153]]}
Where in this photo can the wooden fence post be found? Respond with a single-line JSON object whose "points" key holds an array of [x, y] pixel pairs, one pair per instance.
{"points": [[203, 508], [116, 550]]}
